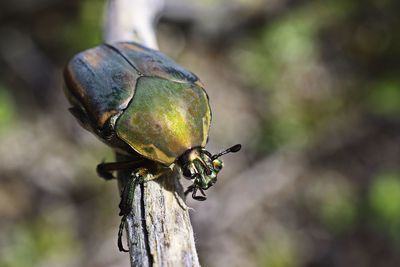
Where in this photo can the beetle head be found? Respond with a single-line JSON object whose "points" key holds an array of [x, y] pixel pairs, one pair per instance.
{"points": [[199, 165]]}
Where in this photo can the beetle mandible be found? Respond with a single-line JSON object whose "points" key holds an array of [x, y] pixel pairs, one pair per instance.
{"points": [[145, 106]]}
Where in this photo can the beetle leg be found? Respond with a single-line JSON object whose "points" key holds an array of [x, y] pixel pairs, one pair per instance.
{"points": [[202, 191], [103, 173], [199, 198], [189, 189], [140, 175], [120, 232], [194, 193], [104, 170], [125, 204]]}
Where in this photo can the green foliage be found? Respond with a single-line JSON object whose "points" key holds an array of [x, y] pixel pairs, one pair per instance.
{"points": [[38, 243], [384, 199], [284, 61], [384, 97], [290, 41], [287, 41], [338, 212], [334, 202], [280, 251]]}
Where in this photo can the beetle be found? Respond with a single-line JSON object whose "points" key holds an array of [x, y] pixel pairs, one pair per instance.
{"points": [[148, 108]]}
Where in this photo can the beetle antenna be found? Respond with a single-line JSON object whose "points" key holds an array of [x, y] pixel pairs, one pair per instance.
{"points": [[232, 149]]}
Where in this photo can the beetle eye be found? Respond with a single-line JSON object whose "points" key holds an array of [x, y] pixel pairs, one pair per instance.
{"points": [[217, 164]]}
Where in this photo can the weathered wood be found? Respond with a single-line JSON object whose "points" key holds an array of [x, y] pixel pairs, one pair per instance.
{"points": [[132, 20], [169, 230], [158, 228]]}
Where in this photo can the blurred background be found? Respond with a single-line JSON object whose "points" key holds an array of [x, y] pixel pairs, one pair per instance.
{"points": [[311, 89]]}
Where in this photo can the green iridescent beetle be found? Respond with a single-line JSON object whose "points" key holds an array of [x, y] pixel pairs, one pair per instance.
{"points": [[147, 107]]}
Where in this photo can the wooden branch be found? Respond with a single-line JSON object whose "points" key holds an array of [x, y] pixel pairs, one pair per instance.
{"points": [[132, 20], [158, 228]]}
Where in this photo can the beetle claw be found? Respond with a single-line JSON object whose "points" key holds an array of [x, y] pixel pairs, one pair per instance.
{"points": [[189, 189], [198, 198], [120, 232], [107, 175], [194, 189], [202, 192]]}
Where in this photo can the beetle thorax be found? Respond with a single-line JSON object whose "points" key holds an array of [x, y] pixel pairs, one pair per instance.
{"points": [[194, 154]]}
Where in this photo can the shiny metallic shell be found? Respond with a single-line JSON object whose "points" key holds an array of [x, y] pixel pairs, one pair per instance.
{"points": [[162, 108], [165, 118], [101, 81]]}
